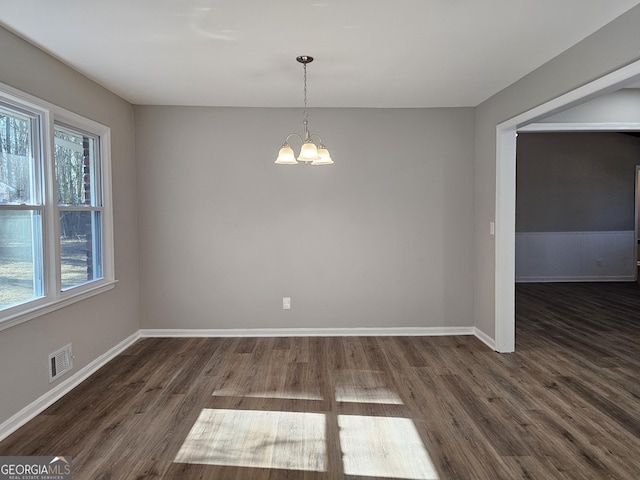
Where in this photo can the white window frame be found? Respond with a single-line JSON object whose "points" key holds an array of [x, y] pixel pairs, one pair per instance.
{"points": [[54, 297]]}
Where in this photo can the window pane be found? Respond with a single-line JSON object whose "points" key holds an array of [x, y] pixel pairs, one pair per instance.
{"points": [[75, 167], [80, 247], [20, 256], [16, 157]]}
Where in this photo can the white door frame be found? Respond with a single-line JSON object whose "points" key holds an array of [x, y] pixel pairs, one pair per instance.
{"points": [[635, 225], [506, 193]]}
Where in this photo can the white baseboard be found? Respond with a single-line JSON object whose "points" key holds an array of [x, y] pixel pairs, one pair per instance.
{"points": [[309, 332], [33, 409], [30, 411], [569, 279], [484, 338]]}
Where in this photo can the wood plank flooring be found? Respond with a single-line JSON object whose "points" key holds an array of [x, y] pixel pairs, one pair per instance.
{"points": [[566, 405]]}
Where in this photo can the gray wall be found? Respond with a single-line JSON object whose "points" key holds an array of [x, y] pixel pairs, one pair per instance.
{"points": [[572, 182], [608, 49], [95, 325], [382, 238], [622, 106]]}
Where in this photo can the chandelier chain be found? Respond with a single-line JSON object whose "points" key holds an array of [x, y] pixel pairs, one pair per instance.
{"points": [[305, 86], [305, 115]]}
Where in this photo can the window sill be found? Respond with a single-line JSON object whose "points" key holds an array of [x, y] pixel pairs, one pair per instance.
{"points": [[57, 304]]}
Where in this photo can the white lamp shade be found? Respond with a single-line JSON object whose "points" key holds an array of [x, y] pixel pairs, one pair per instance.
{"points": [[308, 152], [286, 156], [325, 158]]}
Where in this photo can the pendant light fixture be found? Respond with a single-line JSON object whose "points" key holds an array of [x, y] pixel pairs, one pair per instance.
{"points": [[309, 152]]}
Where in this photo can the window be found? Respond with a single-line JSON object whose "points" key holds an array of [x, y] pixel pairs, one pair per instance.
{"points": [[55, 219]]}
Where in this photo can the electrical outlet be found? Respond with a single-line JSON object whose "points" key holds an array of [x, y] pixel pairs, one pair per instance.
{"points": [[286, 303], [599, 262]]}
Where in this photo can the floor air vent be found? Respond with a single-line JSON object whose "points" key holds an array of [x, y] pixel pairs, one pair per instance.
{"points": [[60, 362]]}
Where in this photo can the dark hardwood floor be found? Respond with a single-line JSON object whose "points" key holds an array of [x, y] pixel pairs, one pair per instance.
{"points": [[566, 405]]}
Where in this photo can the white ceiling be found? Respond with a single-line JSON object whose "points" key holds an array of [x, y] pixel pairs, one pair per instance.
{"points": [[369, 53]]}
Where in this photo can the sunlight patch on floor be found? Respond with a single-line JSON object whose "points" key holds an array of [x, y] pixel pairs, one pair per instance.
{"points": [[259, 439], [384, 447]]}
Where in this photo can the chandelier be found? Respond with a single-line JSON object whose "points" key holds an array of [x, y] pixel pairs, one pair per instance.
{"points": [[309, 152]]}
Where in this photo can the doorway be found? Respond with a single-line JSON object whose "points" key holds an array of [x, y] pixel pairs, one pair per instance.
{"points": [[504, 267]]}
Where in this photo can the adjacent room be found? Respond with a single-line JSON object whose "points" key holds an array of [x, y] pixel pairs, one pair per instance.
{"points": [[253, 241]]}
